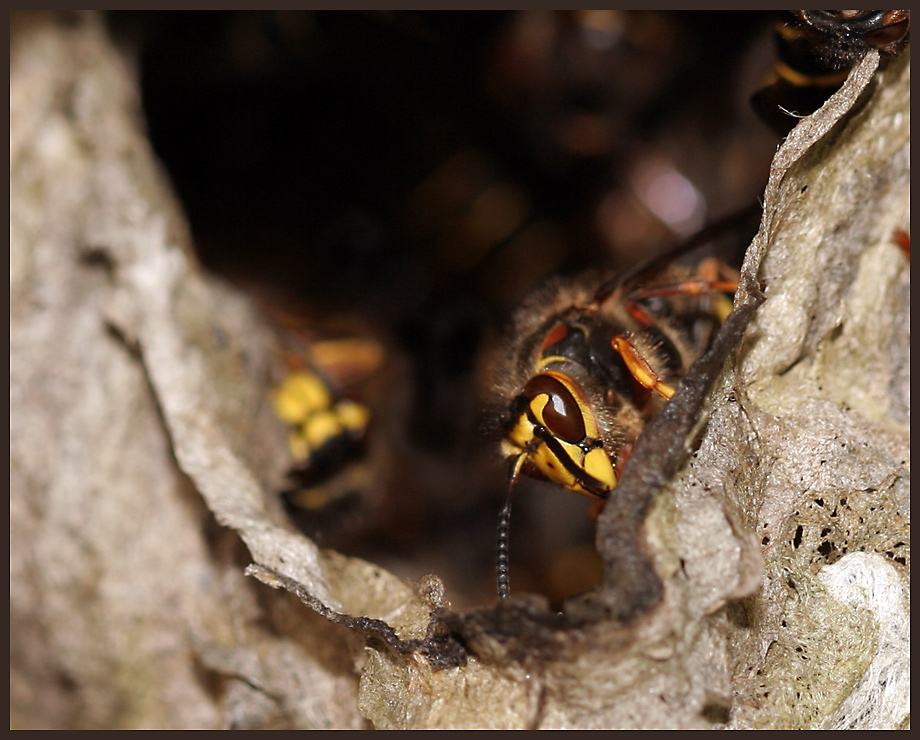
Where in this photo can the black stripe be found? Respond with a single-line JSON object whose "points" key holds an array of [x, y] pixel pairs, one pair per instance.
{"points": [[588, 482]]}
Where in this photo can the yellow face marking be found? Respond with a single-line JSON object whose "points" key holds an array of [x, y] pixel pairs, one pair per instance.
{"points": [[548, 464], [536, 407], [509, 449], [522, 442], [597, 464], [521, 434]]}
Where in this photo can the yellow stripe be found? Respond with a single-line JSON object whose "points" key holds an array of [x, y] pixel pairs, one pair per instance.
{"points": [[801, 80], [544, 361]]}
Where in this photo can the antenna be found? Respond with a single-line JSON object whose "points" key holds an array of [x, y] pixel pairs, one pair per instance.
{"points": [[504, 532]]}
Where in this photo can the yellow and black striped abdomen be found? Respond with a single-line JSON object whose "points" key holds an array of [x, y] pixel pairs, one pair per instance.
{"points": [[816, 50]]}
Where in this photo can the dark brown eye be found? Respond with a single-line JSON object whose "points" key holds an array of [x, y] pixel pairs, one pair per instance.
{"points": [[562, 416], [845, 15], [887, 35]]}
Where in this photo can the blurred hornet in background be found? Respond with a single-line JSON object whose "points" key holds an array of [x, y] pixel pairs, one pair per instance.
{"points": [[816, 50], [326, 433], [591, 366]]}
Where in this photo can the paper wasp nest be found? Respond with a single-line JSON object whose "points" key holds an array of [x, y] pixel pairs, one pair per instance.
{"points": [[764, 585]]}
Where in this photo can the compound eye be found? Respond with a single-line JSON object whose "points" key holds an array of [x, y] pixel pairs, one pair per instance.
{"points": [[562, 414], [887, 35], [845, 15]]}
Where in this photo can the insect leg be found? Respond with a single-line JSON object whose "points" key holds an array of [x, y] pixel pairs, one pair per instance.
{"points": [[714, 277], [639, 368], [690, 286], [902, 239], [642, 272], [594, 511]]}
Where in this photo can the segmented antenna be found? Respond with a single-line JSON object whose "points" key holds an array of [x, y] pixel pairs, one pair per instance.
{"points": [[504, 532], [504, 524]]}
